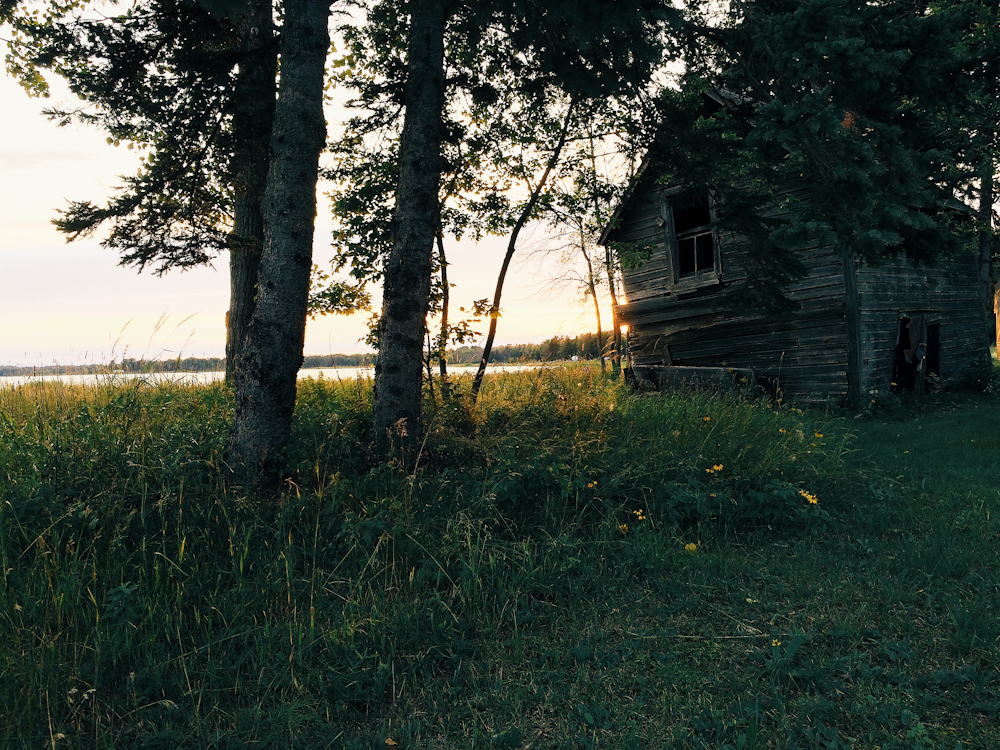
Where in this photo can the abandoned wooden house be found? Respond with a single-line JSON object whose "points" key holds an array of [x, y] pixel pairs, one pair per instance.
{"points": [[856, 329]]}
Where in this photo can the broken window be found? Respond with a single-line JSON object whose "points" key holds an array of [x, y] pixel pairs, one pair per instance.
{"points": [[933, 355], [695, 244], [694, 251]]}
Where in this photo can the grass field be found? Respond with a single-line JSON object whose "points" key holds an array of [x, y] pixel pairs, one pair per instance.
{"points": [[570, 566]]}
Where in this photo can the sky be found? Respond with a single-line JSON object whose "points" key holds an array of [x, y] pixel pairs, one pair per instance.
{"points": [[72, 303]]}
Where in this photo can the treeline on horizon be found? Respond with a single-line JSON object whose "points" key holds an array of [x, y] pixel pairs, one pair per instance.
{"points": [[584, 346]]}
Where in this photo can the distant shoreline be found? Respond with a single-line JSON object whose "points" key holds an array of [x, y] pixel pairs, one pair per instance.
{"points": [[583, 346], [205, 377], [185, 365]]}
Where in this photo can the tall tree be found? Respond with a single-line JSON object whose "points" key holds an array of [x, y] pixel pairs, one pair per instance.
{"points": [[192, 84], [488, 49], [273, 351], [396, 413], [252, 104], [535, 192], [851, 92], [978, 115], [577, 213]]}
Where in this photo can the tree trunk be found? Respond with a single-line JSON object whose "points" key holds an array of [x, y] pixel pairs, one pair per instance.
{"points": [[996, 315], [600, 333], [536, 193], [609, 272], [396, 419], [443, 354], [244, 263], [253, 120], [616, 326], [272, 353], [985, 255], [592, 290]]}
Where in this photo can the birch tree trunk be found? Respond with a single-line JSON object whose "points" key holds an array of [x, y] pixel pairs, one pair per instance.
{"points": [[616, 326], [253, 120], [397, 426], [272, 353], [445, 296], [985, 256], [592, 291]]}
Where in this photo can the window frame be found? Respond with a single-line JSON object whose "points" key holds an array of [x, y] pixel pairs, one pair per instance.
{"points": [[698, 279]]}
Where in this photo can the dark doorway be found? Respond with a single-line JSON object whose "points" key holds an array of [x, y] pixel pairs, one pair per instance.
{"points": [[932, 361], [917, 355], [904, 363]]}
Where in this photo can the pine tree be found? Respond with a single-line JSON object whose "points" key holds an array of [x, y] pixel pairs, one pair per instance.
{"points": [[977, 116], [192, 85], [850, 95]]}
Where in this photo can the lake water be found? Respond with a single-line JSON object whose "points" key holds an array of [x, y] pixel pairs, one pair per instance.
{"points": [[330, 373]]}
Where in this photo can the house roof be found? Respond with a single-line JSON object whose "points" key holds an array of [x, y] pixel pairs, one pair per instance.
{"points": [[713, 100]]}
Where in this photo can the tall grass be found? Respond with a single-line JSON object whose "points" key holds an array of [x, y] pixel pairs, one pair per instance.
{"points": [[569, 565]]}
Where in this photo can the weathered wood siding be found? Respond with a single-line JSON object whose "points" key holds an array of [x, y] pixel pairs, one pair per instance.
{"points": [[639, 226], [838, 345], [803, 353], [943, 293]]}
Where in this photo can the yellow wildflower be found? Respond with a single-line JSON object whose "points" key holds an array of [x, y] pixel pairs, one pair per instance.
{"points": [[775, 643], [782, 430], [639, 514], [706, 418], [692, 547], [623, 528], [819, 434], [809, 496]]}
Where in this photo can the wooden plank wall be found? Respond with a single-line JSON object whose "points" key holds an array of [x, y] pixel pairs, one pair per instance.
{"points": [[804, 354], [638, 225], [945, 293]]}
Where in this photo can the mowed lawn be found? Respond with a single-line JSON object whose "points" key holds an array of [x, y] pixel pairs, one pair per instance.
{"points": [[880, 632], [947, 447]]}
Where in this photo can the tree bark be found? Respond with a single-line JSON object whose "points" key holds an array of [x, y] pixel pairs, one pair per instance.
{"points": [[616, 326], [272, 352], [592, 291], [396, 425], [443, 354], [536, 193], [609, 272], [600, 333], [985, 256], [253, 120]]}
